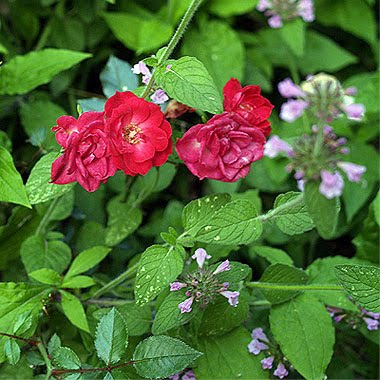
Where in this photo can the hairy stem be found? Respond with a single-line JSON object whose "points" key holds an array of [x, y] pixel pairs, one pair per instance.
{"points": [[46, 358], [173, 41], [274, 286], [46, 218], [115, 282]]}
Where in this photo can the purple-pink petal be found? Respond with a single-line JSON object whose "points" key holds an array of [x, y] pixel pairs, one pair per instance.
{"points": [[267, 363], [353, 171], [185, 306], [332, 184], [232, 297], [255, 347], [288, 89], [200, 255], [292, 110], [224, 266], [275, 146], [280, 371]]}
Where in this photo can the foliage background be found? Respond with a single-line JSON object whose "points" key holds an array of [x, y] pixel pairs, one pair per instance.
{"points": [[232, 39]]}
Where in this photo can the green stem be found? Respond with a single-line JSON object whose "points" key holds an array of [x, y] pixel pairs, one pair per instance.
{"points": [[109, 302], [46, 218], [173, 41], [274, 286], [319, 141], [278, 210], [115, 282], [46, 358]]}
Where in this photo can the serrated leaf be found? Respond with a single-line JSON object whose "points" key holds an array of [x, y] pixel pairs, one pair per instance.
{"points": [[111, 337], [169, 315], [222, 57], [123, 220], [196, 213], [238, 272], [323, 211], [187, 81], [117, 76], [11, 186], [38, 253], [87, 260], [23, 73], [229, 317], [285, 275], [16, 299], [74, 310], [66, 358], [162, 356], [77, 282], [226, 357], [46, 276], [157, 268], [235, 223], [273, 255], [293, 33], [54, 344], [362, 284], [292, 220], [138, 318], [304, 322], [147, 34], [38, 186], [12, 351]]}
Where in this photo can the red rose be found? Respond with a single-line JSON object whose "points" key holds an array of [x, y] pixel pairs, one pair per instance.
{"points": [[248, 103], [86, 156], [222, 149], [138, 132]]}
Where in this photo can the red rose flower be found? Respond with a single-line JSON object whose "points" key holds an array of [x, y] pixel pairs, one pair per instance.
{"points": [[248, 103], [138, 132], [222, 149], [86, 156]]}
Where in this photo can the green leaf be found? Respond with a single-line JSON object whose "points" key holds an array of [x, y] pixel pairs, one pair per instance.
{"points": [[345, 13], [123, 220], [238, 272], [323, 211], [235, 223], [222, 57], [138, 318], [322, 271], [362, 284], [376, 208], [111, 337], [355, 195], [227, 357], [46, 276], [169, 315], [196, 214], [24, 73], [12, 351], [293, 33], [117, 76], [292, 220], [322, 54], [146, 34], [227, 8], [78, 282], [38, 253], [16, 299], [11, 186], [229, 317], [74, 311], [273, 255], [87, 260], [37, 118], [23, 323], [54, 344], [91, 104], [368, 90], [38, 186], [188, 81], [283, 275], [157, 268], [64, 357], [304, 322], [162, 356]]}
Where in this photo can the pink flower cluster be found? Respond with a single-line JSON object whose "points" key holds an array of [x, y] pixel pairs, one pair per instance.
{"points": [[202, 285], [371, 319], [259, 343], [326, 169], [279, 11], [322, 95]]}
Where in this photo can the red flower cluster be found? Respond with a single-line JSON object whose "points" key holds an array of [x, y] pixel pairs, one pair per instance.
{"points": [[131, 135], [224, 147]]}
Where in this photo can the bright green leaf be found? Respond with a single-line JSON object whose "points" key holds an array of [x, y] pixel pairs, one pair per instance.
{"points": [[46, 276], [64, 357], [12, 351], [74, 310], [78, 282], [293, 33]]}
